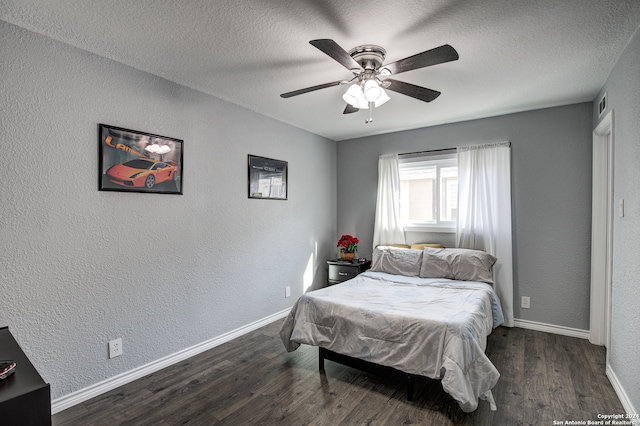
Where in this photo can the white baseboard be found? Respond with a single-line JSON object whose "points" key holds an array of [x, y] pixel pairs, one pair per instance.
{"points": [[622, 395], [549, 328], [67, 401]]}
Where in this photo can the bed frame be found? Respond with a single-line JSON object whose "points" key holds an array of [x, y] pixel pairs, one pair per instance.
{"points": [[369, 367]]}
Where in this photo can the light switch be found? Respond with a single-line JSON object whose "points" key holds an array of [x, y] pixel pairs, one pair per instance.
{"points": [[621, 208]]}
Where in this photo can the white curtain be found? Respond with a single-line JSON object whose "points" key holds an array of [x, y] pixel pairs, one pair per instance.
{"points": [[387, 227], [484, 211]]}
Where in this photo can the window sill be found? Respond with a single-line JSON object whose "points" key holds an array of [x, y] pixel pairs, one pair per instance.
{"points": [[426, 228]]}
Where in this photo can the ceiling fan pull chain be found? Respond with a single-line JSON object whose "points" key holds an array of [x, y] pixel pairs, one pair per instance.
{"points": [[370, 113]]}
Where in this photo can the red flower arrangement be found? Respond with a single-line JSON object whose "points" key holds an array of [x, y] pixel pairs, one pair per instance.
{"points": [[348, 242]]}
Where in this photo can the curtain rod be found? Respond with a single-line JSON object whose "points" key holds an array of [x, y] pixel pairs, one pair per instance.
{"points": [[507, 143], [429, 151]]}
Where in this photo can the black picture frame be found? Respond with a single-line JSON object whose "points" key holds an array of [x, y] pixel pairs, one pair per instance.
{"points": [[268, 178], [133, 161]]}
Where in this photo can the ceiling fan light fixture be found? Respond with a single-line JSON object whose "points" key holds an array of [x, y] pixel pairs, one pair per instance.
{"points": [[372, 91], [362, 103], [382, 99], [355, 97], [351, 95]]}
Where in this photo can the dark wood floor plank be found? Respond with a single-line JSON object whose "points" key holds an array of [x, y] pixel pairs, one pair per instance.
{"points": [[593, 390], [253, 380], [537, 399], [559, 381], [506, 350]]}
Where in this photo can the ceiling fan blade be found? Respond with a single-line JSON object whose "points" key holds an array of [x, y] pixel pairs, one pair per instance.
{"points": [[336, 52], [420, 93], [435, 56], [350, 109], [311, 89]]}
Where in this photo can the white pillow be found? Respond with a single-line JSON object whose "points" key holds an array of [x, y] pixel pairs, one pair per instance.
{"points": [[457, 264], [397, 261]]}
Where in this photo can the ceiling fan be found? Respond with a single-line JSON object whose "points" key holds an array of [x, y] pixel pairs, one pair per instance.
{"points": [[365, 62]]}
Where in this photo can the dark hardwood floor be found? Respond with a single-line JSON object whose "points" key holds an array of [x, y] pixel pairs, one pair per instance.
{"points": [[253, 380]]}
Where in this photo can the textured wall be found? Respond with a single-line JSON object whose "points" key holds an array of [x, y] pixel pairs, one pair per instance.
{"points": [[623, 91], [551, 194], [79, 267]]}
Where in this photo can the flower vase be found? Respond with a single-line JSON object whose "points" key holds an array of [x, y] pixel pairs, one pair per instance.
{"points": [[347, 255]]}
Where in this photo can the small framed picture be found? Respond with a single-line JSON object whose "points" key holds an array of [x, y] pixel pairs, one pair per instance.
{"points": [[133, 161], [267, 178]]}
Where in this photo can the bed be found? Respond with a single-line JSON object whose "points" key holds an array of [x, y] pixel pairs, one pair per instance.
{"points": [[414, 311]]}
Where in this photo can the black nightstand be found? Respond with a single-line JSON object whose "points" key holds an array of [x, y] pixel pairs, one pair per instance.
{"points": [[340, 271], [25, 399]]}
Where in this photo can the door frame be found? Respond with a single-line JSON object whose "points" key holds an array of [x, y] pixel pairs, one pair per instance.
{"points": [[602, 232]]}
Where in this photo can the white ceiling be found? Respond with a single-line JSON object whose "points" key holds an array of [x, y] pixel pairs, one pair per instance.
{"points": [[514, 55]]}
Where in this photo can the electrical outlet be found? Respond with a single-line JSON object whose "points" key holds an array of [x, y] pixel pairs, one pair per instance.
{"points": [[287, 291], [115, 347], [525, 302]]}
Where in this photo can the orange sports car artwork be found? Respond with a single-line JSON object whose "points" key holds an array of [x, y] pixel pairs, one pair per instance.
{"points": [[141, 173], [132, 161]]}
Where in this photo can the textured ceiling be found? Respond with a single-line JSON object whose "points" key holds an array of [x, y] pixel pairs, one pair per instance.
{"points": [[514, 55]]}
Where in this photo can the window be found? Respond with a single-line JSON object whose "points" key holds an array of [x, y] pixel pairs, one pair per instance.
{"points": [[429, 192]]}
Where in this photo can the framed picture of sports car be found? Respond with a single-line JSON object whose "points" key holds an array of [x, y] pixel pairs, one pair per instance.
{"points": [[133, 161], [267, 178]]}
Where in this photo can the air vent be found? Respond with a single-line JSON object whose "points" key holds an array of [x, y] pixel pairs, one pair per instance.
{"points": [[602, 105]]}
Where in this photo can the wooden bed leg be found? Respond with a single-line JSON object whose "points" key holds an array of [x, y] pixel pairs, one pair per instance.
{"points": [[320, 359], [410, 388]]}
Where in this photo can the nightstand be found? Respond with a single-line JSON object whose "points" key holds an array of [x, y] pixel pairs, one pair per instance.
{"points": [[340, 271], [25, 399]]}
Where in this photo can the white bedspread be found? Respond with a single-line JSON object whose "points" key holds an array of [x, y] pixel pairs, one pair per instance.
{"points": [[436, 328]]}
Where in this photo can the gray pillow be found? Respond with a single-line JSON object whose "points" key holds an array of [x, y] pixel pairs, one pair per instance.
{"points": [[457, 264], [398, 261]]}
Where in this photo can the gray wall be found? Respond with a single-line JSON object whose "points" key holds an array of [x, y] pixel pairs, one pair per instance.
{"points": [[79, 267], [551, 195], [623, 91]]}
